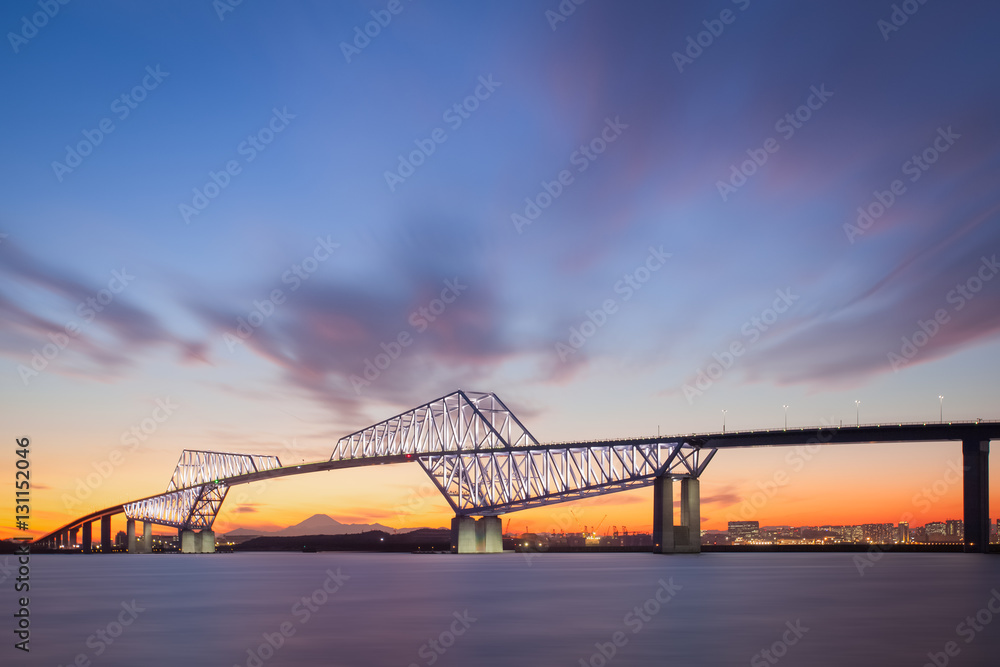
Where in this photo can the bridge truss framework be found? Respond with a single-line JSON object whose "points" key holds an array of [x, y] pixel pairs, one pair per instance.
{"points": [[485, 463], [471, 445]]}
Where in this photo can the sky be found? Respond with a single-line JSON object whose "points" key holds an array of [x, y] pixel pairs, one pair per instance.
{"points": [[622, 218]]}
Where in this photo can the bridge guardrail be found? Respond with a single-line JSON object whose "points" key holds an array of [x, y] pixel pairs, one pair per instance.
{"points": [[713, 434]]}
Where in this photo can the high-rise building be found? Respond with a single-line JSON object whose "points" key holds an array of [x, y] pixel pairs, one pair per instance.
{"points": [[935, 531], [121, 539], [903, 533], [879, 533], [954, 528], [745, 530]]}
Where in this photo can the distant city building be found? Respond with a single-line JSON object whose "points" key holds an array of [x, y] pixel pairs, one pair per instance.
{"points": [[935, 532], [637, 540], [121, 539], [903, 533], [852, 533], [716, 538], [832, 533], [879, 533], [934, 528], [954, 528], [745, 530]]}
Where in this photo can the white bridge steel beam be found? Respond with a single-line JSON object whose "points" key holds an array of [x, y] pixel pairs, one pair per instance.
{"points": [[198, 467], [459, 422], [192, 508], [197, 488], [496, 482], [480, 456]]}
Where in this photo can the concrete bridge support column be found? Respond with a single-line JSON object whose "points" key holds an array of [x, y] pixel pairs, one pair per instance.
{"points": [[463, 535], [206, 542], [73, 536], [489, 535], [87, 541], [668, 537], [976, 492], [106, 534], [690, 542], [189, 542], [146, 546], [130, 534]]}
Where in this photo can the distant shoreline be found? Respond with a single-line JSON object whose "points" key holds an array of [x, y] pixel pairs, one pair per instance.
{"points": [[439, 541]]}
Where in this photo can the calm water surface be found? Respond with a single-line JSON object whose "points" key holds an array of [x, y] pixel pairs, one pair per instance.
{"points": [[510, 609]]}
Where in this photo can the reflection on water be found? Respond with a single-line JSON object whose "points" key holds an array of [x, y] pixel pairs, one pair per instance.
{"points": [[551, 609]]}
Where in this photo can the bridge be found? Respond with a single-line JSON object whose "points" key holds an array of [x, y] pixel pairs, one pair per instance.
{"points": [[486, 463]]}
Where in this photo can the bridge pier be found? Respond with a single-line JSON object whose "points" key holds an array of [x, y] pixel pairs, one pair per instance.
{"points": [[668, 537], [472, 536], [189, 544], [139, 545], [73, 536], [663, 515], [463, 535], [106, 534], [976, 495], [87, 541], [489, 535], [205, 541]]}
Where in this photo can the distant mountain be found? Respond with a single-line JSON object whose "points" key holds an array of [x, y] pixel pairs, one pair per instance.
{"points": [[317, 524], [422, 540]]}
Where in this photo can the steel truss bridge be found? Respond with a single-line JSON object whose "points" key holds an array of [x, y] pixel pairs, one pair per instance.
{"points": [[485, 463]]}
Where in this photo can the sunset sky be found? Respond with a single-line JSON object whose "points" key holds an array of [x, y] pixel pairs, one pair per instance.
{"points": [[217, 220]]}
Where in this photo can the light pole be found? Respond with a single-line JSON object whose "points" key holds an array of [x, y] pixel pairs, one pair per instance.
{"points": [[786, 416], [941, 399], [724, 420], [857, 406]]}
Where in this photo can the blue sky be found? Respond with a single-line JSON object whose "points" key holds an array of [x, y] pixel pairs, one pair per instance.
{"points": [[654, 161]]}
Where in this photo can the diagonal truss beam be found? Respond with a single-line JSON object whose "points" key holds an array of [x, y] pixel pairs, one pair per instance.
{"points": [[474, 449], [461, 421], [495, 482], [197, 467], [192, 508], [197, 488]]}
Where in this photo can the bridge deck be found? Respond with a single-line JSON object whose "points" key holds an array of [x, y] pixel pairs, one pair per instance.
{"points": [[825, 434]]}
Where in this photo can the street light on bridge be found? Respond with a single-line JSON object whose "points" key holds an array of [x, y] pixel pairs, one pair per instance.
{"points": [[941, 399], [786, 416], [724, 420], [857, 407]]}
